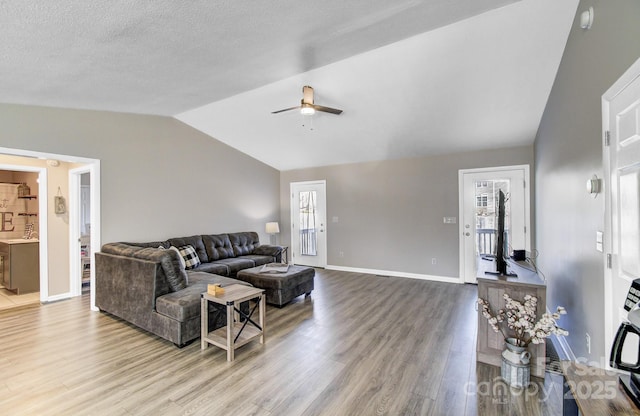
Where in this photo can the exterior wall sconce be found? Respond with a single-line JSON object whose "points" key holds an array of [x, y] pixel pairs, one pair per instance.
{"points": [[586, 19], [594, 186]]}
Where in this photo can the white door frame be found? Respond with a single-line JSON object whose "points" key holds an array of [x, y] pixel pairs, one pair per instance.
{"points": [[74, 230], [461, 207], [610, 321], [94, 170], [322, 236]]}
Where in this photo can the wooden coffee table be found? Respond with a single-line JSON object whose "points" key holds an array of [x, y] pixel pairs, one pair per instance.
{"points": [[236, 333]]}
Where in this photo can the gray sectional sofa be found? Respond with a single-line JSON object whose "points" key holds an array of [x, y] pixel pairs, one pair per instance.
{"points": [[148, 285]]}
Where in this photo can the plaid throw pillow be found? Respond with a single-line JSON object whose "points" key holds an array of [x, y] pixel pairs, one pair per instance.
{"points": [[191, 259]]}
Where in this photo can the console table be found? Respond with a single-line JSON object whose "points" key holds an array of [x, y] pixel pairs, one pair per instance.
{"points": [[492, 288]]}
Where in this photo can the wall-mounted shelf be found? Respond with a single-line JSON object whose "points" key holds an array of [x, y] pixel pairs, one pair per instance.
{"points": [[28, 197], [24, 214]]}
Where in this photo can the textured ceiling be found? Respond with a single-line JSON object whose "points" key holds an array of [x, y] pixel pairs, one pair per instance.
{"points": [[413, 76], [168, 56]]}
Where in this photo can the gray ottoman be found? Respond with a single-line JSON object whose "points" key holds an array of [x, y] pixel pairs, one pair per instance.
{"points": [[280, 288]]}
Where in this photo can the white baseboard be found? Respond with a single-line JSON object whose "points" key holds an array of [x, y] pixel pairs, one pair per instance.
{"points": [[396, 274], [62, 296]]}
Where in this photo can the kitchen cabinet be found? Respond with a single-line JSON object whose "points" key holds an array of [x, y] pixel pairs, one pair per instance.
{"points": [[20, 265]]}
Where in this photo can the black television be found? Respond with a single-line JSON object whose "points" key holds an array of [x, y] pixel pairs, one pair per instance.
{"points": [[500, 249]]}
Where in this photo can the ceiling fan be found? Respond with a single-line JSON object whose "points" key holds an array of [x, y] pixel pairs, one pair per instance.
{"points": [[307, 107]]}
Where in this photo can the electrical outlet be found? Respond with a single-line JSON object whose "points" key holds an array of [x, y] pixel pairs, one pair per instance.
{"points": [[588, 338], [433, 261]]}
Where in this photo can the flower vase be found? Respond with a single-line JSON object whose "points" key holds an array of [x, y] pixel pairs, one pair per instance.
{"points": [[516, 369]]}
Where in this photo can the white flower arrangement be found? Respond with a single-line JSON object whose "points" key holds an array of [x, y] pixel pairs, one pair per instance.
{"points": [[521, 320]]}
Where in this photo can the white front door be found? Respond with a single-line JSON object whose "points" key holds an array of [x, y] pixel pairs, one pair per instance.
{"points": [[308, 223], [478, 189], [621, 123]]}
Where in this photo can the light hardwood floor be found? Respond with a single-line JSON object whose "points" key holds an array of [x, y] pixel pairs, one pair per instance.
{"points": [[360, 345], [9, 300]]}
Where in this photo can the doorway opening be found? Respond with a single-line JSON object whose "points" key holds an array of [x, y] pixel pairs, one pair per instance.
{"points": [[55, 246], [478, 212], [21, 222]]}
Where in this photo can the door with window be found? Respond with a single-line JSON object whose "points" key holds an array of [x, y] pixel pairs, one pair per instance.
{"points": [[308, 223], [478, 212], [621, 123]]}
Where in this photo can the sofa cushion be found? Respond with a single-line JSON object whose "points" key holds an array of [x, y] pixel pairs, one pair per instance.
{"points": [[214, 268], [194, 241], [236, 264], [218, 246], [201, 277], [191, 259], [185, 304], [258, 260], [244, 243]]}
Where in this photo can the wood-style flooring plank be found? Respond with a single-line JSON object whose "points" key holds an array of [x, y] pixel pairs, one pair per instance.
{"points": [[360, 345]]}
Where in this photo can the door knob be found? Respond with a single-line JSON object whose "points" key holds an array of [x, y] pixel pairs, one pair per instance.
{"points": [[467, 234]]}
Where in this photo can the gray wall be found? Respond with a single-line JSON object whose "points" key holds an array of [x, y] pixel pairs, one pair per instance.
{"points": [[160, 178], [390, 213], [568, 150]]}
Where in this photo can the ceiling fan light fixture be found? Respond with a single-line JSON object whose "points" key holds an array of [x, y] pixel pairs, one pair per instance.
{"points": [[307, 110], [307, 107]]}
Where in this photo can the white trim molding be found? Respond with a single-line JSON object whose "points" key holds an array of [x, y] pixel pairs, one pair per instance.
{"points": [[397, 274], [56, 298]]}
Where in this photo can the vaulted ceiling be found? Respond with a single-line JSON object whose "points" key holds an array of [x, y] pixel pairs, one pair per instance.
{"points": [[414, 77]]}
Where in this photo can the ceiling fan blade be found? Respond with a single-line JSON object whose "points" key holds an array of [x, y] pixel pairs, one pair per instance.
{"points": [[286, 109], [327, 109]]}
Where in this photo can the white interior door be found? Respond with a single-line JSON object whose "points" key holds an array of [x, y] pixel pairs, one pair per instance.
{"points": [[308, 223], [478, 203], [621, 119]]}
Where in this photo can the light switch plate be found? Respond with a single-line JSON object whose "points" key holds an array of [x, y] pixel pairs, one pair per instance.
{"points": [[450, 220], [599, 241]]}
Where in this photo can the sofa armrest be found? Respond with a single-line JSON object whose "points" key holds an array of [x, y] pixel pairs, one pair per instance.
{"points": [[267, 250], [127, 287]]}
